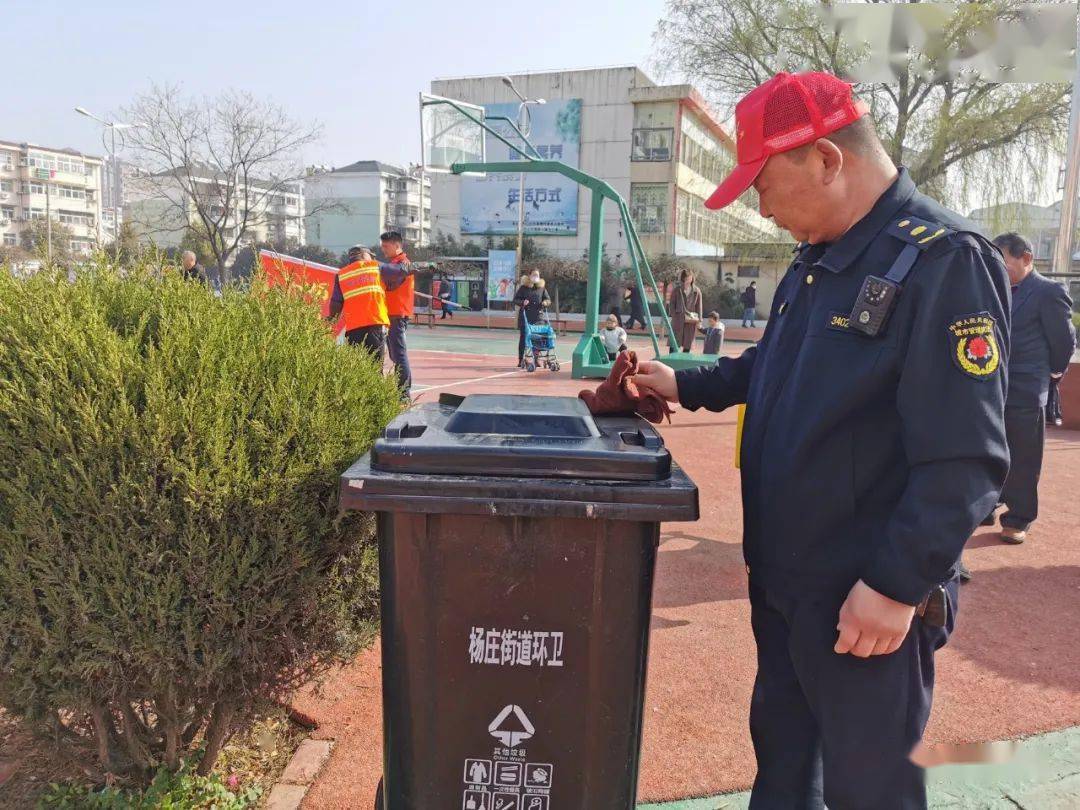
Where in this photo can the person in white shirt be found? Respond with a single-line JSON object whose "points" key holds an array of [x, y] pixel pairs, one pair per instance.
{"points": [[614, 337]]}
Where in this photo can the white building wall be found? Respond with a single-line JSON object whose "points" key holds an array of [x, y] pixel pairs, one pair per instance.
{"points": [[607, 121]]}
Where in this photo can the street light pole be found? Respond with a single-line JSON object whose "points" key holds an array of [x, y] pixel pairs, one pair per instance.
{"points": [[110, 147], [525, 126]]}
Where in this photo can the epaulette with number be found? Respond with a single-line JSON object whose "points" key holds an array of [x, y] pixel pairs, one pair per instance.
{"points": [[918, 232]]}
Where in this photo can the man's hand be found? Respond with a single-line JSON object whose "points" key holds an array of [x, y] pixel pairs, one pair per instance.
{"points": [[655, 376], [871, 624]]}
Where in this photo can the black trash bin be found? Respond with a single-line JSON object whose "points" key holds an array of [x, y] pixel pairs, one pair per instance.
{"points": [[517, 543]]}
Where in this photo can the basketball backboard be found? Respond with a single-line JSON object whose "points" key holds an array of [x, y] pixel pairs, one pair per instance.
{"points": [[450, 132]]}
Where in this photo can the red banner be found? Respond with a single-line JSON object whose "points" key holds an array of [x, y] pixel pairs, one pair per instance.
{"points": [[281, 270]]}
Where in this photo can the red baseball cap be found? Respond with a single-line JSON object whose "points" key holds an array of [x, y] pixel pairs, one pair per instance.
{"points": [[788, 111]]}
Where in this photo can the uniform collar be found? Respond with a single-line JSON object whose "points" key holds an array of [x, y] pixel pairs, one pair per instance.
{"points": [[840, 254]]}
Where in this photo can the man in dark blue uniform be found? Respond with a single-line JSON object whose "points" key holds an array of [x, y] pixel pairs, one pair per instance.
{"points": [[873, 444], [1043, 340]]}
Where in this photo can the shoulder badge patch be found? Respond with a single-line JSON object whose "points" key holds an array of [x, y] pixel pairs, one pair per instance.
{"points": [[974, 346], [919, 232]]}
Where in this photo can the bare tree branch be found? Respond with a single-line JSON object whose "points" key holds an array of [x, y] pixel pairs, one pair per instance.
{"points": [[223, 167], [941, 126]]}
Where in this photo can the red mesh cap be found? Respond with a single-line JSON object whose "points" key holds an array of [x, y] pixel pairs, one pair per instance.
{"points": [[788, 111]]}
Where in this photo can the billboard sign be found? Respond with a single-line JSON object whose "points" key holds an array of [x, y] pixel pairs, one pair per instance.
{"points": [[490, 204], [502, 275]]}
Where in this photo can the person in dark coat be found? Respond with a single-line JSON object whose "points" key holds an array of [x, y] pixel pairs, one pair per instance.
{"points": [[193, 271], [637, 306], [531, 299], [1043, 340], [446, 295], [749, 302]]}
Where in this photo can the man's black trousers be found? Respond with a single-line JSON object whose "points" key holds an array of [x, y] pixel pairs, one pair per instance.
{"points": [[372, 338], [833, 729], [1025, 430]]}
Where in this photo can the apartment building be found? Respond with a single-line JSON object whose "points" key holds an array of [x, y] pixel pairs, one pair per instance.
{"points": [[37, 181], [355, 203], [161, 210]]}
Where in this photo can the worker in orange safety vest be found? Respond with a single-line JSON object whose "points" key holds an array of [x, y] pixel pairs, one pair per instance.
{"points": [[399, 305], [359, 296]]}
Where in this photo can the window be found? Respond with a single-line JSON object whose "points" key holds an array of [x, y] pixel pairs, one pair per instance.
{"points": [[80, 220], [35, 213], [651, 144], [7, 212], [694, 221], [10, 240], [70, 164], [39, 161], [649, 206], [712, 164], [7, 185], [80, 245], [749, 271], [71, 193], [33, 188]]}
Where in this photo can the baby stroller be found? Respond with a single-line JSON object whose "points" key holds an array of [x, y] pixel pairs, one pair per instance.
{"points": [[539, 344]]}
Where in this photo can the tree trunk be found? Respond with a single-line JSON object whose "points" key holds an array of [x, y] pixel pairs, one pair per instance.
{"points": [[103, 732], [170, 725], [132, 738], [215, 735]]}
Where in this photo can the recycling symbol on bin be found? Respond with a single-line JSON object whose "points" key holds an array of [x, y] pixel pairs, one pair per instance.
{"points": [[511, 727]]}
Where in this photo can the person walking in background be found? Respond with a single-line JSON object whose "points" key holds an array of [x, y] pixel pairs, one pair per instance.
{"points": [[399, 306], [445, 297], [521, 298], [614, 337], [532, 299], [1043, 340], [714, 334], [685, 309], [749, 302], [637, 306]]}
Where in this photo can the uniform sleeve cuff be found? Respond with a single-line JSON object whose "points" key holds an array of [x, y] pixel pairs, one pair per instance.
{"points": [[688, 382], [893, 578]]}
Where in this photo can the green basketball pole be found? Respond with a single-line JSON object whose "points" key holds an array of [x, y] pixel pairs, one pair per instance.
{"points": [[590, 356]]}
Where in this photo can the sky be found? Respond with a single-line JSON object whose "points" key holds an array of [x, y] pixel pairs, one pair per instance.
{"points": [[354, 66]]}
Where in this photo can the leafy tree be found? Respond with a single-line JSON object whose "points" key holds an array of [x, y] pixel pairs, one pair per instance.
{"points": [[130, 247], [937, 123], [558, 272], [35, 240]]}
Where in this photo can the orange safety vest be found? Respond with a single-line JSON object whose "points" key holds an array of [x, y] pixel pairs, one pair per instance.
{"points": [[399, 302], [365, 298]]}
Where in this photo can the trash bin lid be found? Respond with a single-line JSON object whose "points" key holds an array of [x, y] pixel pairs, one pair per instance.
{"points": [[520, 435]]}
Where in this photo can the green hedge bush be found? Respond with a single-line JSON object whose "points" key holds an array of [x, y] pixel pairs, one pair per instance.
{"points": [[171, 553]]}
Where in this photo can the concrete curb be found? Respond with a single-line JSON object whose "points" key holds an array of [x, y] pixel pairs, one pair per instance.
{"points": [[289, 791]]}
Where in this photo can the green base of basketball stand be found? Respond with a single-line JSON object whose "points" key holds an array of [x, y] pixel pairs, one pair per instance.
{"points": [[590, 359]]}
